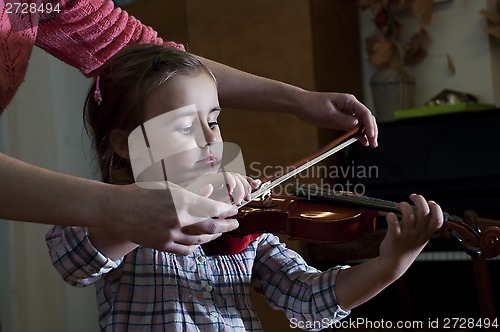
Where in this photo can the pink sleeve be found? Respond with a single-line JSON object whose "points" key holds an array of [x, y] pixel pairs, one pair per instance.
{"points": [[87, 33]]}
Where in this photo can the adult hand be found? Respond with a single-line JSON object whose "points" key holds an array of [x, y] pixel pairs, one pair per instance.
{"points": [[338, 111], [155, 218]]}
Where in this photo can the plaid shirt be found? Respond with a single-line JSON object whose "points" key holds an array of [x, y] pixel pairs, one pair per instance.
{"points": [[150, 290]]}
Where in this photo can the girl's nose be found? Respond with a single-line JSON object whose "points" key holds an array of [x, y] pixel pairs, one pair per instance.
{"points": [[206, 137]]}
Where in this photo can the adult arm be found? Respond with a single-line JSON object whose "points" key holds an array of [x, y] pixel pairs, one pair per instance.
{"points": [[95, 30], [144, 216], [341, 111]]}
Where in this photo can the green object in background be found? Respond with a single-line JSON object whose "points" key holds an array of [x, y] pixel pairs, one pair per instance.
{"points": [[441, 109]]}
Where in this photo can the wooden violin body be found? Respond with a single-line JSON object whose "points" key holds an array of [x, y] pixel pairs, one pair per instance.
{"points": [[303, 219]]}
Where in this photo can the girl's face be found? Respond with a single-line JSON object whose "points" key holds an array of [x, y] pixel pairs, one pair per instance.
{"points": [[182, 129]]}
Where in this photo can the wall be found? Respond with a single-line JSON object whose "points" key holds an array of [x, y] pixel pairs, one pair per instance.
{"points": [[43, 126], [456, 30], [267, 38]]}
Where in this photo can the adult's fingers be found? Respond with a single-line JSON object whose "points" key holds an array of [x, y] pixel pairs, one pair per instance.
{"points": [[353, 113], [180, 249], [192, 208], [185, 237], [205, 208], [368, 121], [205, 190], [212, 226]]}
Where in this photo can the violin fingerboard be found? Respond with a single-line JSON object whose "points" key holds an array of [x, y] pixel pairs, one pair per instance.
{"points": [[315, 192]]}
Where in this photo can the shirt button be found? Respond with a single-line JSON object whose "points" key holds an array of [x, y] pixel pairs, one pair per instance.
{"points": [[209, 288], [214, 314], [201, 259]]}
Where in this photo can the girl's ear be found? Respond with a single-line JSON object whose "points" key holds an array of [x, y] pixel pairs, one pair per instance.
{"points": [[119, 142]]}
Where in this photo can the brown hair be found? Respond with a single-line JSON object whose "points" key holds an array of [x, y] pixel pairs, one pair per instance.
{"points": [[124, 84]]}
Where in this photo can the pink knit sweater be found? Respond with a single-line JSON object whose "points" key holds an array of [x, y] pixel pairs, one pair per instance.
{"points": [[83, 34]]}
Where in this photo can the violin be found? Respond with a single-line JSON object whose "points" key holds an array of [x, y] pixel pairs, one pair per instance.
{"points": [[317, 215]]}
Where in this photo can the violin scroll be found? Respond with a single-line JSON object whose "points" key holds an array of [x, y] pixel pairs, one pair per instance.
{"points": [[490, 242], [456, 228], [488, 231]]}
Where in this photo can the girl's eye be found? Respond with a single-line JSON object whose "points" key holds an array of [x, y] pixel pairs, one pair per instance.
{"points": [[186, 130], [213, 124]]}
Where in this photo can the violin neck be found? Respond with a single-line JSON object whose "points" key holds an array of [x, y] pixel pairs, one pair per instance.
{"points": [[320, 193], [348, 198]]}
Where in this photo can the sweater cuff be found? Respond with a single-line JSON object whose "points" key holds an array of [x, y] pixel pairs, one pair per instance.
{"points": [[175, 45]]}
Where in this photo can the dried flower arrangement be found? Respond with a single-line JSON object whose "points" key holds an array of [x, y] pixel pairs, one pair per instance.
{"points": [[493, 17], [384, 46]]}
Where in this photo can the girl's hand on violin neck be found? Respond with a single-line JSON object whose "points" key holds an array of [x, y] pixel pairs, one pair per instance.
{"points": [[338, 111], [406, 237]]}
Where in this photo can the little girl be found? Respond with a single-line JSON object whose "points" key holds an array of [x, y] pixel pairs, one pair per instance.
{"points": [[142, 289]]}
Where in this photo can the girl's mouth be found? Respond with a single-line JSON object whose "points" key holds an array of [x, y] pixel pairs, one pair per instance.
{"points": [[210, 160]]}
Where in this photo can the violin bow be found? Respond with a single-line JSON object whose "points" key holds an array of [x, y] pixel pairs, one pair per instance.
{"points": [[301, 165]]}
